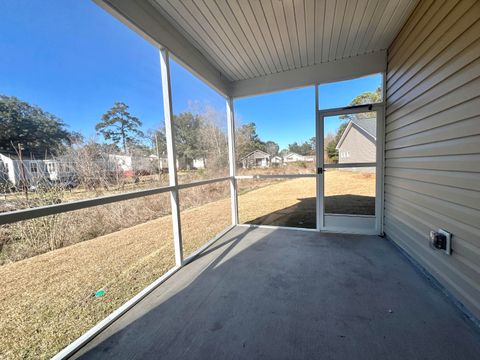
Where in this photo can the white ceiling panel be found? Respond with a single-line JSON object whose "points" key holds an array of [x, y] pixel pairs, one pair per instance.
{"points": [[251, 38]]}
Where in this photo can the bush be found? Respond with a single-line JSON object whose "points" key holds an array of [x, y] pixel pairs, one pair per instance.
{"points": [[33, 237], [6, 186]]}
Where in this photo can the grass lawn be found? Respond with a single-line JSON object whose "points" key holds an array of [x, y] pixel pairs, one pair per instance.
{"points": [[293, 202], [48, 300]]}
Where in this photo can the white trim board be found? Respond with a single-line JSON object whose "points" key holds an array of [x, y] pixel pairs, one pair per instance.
{"points": [[345, 69], [276, 227], [274, 176]]}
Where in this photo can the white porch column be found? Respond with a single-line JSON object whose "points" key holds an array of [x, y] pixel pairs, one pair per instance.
{"points": [[231, 160], [319, 149], [172, 156]]}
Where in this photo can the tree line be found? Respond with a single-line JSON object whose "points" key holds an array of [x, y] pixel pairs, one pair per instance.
{"points": [[41, 134], [197, 136]]}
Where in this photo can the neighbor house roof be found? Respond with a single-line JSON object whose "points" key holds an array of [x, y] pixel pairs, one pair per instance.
{"points": [[262, 153], [8, 156], [291, 153], [368, 127], [26, 157]]}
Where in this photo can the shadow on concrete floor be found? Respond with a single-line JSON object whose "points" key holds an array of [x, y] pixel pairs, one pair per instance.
{"points": [[282, 294], [303, 214]]}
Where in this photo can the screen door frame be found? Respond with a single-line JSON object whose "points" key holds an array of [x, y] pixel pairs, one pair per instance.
{"points": [[345, 223]]}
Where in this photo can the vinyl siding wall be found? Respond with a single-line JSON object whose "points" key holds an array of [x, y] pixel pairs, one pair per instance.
{"points": [[432, 166], [358, 146]]}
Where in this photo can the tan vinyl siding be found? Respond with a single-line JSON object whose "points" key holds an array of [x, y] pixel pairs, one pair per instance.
{"points": [[432, 142]]}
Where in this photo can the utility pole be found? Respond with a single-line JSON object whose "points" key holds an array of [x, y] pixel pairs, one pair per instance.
{"points": [[22, 171]]}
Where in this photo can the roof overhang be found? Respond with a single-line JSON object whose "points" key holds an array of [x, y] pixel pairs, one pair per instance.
{"points": [[358, 66], [234, 68]]}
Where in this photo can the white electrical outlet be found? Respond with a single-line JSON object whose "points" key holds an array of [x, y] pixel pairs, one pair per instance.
{"points": [[448, 236]]}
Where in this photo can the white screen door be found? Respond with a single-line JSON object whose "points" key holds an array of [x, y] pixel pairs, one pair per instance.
{"points": [[349, 169]]}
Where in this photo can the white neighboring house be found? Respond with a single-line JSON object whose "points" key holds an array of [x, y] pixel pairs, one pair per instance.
{"points": [[190, 164], [58, 170], [15, 170], [259, 158], [161, 163], [123, 163], [131, 165], [198, 163], [358, 143], [294, 157], [276, 160], [256, 158]]}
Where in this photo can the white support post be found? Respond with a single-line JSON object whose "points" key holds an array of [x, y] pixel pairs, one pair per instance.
{"points": [[172, 156], [381, 125], [231, 160], [320, 163]]}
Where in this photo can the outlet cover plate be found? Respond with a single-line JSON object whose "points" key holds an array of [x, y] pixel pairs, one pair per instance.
{"points": [[448, 236]]}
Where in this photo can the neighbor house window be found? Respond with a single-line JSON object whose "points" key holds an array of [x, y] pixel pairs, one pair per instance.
{"points": [[33, 167]]}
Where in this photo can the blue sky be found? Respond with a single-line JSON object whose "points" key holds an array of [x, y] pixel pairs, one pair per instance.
{"points": [[74, 60]]}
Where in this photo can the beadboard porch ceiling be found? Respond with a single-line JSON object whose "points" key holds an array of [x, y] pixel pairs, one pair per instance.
{"points": [[242, 47]]}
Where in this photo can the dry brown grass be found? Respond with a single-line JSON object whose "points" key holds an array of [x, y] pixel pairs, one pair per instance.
{"points": [[292, 202], [48, 300], [291, 168], [33, 237], [273, 204], [341, 182]]}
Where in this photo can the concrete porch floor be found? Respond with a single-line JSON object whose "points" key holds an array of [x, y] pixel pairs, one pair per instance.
{"points": [[285, 294]]}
